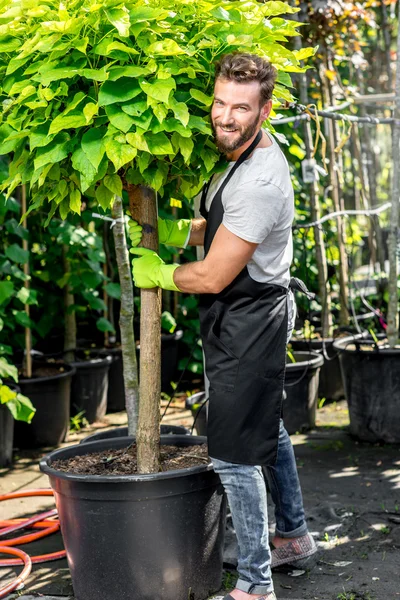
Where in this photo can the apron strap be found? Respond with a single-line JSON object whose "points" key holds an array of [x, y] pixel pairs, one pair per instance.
{"points": [[240, 160]]}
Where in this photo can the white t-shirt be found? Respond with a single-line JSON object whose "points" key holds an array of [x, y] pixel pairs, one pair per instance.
{"points": [[259, 207]]}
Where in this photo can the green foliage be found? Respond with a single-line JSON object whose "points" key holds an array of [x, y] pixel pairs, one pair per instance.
{"points": [[95, 94], [19, 405]]}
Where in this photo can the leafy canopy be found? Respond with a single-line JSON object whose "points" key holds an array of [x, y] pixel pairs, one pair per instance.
{"points": [[99, 93]]}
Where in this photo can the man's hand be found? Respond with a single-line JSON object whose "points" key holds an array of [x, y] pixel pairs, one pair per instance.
{"points": [[171, 233], [150, 270]]}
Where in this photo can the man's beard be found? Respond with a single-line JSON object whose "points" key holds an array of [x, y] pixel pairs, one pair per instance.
{"points": [[226, 146]]}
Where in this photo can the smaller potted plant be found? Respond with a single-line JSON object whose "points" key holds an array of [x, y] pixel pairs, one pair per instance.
{"points": [[13, 405]]}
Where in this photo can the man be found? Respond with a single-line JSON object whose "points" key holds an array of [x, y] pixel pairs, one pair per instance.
{"points": [[243, 282]]}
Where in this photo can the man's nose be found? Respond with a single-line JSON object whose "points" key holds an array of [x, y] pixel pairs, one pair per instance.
{"points": [[226, 116]]}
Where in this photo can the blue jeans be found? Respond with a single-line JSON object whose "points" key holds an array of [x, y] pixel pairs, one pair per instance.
{"points": [[245, 486]]}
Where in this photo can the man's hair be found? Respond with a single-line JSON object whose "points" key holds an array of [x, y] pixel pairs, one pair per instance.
{"points": [[243, 68]]}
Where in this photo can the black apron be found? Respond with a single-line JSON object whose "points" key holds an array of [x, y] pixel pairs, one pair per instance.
{"points": [[244, 332]]}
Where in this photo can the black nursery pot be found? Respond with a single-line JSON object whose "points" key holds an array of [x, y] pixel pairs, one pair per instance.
{"points": [[330, 376], [6, 436], [301, 387], [371, 381], [116, 391], [123, 432], [147, 537], [50, 395], [90, 386]]}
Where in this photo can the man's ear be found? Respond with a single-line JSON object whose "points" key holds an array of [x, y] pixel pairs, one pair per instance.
{"points": [[265, 110]]}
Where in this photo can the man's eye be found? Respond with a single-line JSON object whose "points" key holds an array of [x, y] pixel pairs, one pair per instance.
{"points": [[242, 108]]}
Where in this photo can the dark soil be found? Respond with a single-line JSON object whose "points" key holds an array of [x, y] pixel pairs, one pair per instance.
{"points": [[124, 461], [44, 371]]}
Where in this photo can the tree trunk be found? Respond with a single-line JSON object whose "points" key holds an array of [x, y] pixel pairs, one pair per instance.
{"points": [[108, 270], [69, 316], [320, 253], [28, 334], [338, 206], [131, 383], [393, 307], [143, 208]]}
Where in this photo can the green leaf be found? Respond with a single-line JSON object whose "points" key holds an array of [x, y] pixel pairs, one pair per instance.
{"points": [[199, 124], [160, 89], [17, 254], [168, 323], [40, 137], [90, 279], [113, 290], [104, 324], [118, 91], [159, 144], [284, 78], [119, 17], [119, 118], [185, 145], [119, 154], [27, 296], [54, 152], [70, 121], [166, 47], [181, 111], [87, 171], [221, 14], [22, 318], [56, 74], [75, 201], [113, 183], [20, 406], [201, 97], [93, 146], [89, 110], [104, 196], [128, 71], [278, 8], [137, 141], [136, 109], [7, 370], [94, 301]]}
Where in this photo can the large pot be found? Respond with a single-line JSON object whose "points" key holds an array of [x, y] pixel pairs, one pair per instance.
{"points": [[90, 385], [50, 395], [147, 537], [118, 432], [330, 377], [371, 381], [301, 387]]}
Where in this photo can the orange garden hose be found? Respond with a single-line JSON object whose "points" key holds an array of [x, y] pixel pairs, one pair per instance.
{"points": [[10, 587], [44, 522]]}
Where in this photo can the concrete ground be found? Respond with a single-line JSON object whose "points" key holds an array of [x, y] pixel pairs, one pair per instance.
{"points": [[352, 498]]}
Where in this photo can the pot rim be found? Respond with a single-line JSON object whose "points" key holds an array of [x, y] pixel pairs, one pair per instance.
{"points": [[167, 439], [338, 345], [70, 371], [317, 360]]}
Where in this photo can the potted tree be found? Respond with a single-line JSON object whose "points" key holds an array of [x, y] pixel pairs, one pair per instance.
{"points": [[101, 99], [371, 371]]}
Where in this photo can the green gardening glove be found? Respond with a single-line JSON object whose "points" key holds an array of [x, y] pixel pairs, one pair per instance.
{"points": [[150, 270], [171, 233], [174, 233]]}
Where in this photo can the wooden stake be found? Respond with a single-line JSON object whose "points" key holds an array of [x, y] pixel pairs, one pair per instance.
{"points": [[143, 208]]}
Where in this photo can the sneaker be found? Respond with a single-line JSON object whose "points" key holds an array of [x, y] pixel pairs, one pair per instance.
{"points": [[298, 553]]}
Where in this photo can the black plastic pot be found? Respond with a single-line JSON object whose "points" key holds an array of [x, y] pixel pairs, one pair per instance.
{"points": [[169, 358], [6, 436], [330, 377], [141, 537], [50, 396], [301, 387], [199, 408], [371, 381], [123, 432], [90, 386], [116, 391]]}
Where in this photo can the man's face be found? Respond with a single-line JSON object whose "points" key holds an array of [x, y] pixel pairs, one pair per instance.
{"points": [[236, 114]]}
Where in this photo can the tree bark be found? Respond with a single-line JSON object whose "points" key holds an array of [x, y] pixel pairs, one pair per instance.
{"points": [[320, 252], [143, 208], [338, 206], [131, 382], [393, 305], [69, 316]]}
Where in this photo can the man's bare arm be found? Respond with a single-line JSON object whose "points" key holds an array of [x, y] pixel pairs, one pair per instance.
{"points": [[197, 232], [227, 256]]}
